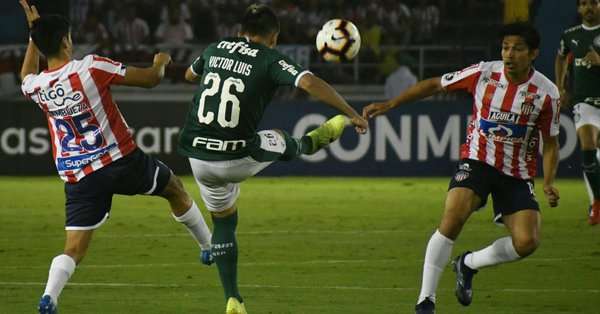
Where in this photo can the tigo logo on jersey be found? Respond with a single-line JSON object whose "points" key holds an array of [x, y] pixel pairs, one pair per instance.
{"points": [[58, 96]]}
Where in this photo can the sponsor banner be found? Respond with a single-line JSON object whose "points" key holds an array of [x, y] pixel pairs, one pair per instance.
{"points": [[421, 139]]}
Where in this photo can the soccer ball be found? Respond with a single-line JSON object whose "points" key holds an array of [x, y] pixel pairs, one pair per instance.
{"points": [[338, 40]]}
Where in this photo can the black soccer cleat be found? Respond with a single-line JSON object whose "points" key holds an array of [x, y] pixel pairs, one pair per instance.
{"points": [[425, 307], [464, 279]]}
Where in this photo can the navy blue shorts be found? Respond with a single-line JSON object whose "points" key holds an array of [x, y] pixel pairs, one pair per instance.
{"points": [[509, 194], [88, 201]]}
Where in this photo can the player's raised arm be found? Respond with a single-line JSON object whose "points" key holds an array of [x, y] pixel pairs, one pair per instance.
{"points": [[31, 61], [321, 90], [146, 77], [418, 91]]}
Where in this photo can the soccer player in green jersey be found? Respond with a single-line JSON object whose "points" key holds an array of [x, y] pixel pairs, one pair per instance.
{"points": [[583, 41], [237, 78]]}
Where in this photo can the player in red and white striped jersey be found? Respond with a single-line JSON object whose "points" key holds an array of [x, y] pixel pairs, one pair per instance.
{"points": [[92, 146], [507, 118], [514, 107], [87, 130]]}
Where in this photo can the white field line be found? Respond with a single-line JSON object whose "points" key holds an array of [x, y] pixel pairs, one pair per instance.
{"points": [[319, 262], [261, 286]]}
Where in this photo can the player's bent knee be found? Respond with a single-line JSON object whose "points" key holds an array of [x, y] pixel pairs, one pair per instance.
{"points": [[450, 229], [175, 192], [453, 221], [525, 246], [77, 253]]}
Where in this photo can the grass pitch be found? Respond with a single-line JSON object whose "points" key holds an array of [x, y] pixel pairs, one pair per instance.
{"points": [[307, 245]]}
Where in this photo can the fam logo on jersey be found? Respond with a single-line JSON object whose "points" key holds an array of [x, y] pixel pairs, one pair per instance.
{"points": [[58, 96]]}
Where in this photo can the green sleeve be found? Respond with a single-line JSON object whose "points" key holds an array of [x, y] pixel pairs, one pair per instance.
{"points": [[285, 71], [197, 66]]}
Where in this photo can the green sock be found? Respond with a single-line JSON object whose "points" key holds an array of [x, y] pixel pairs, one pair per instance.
{"points": [[591, 170], [225, 253], [306, 144]]}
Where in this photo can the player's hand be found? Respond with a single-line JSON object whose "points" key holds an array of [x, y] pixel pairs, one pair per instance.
{"points": [[376, 109], [31, 12], [360, 125], [162, 58], [592, 58], [551, 195]]}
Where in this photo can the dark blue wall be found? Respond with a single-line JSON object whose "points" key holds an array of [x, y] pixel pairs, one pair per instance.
{"points": [[407, 142]]}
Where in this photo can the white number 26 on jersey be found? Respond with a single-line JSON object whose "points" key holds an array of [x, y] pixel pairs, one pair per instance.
{"points": [[213, 82]]}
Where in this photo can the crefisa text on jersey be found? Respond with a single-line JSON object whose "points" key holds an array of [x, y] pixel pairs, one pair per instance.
{"points": [[239, 46]]}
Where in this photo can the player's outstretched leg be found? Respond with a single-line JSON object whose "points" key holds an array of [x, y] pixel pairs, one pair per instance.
{"points": [[225, 254], [62, 267], [185, 211], [328, 132]]}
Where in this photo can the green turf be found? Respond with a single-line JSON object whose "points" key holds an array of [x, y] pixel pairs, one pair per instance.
{"points": [[335, 245]]}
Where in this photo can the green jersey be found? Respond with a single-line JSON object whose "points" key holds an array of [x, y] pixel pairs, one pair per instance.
{"points": [[238, 79], [579, 40]]}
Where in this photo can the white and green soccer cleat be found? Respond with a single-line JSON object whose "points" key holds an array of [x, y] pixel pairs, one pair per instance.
{"points": [[235, 307], [328, 132]]}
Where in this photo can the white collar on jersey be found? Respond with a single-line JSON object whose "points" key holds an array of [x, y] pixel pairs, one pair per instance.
{"points": [[592, 28]]}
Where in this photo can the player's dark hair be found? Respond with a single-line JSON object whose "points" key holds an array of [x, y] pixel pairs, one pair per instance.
{"points": [[525, 30], [260, 20], [47, 33]]}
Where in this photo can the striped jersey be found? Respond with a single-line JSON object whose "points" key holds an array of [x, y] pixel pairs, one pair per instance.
{"points": [[507, 118], [87, 129]]}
